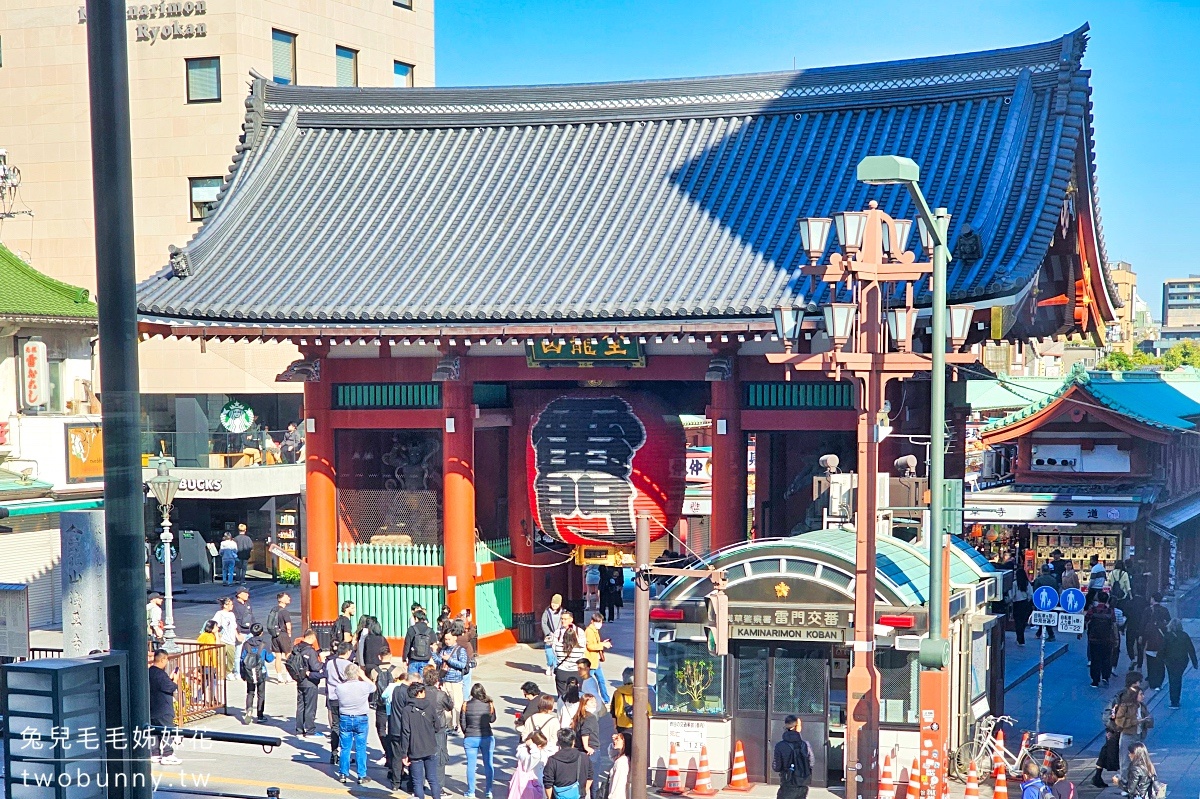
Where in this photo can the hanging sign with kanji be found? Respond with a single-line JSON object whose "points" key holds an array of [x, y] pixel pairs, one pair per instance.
{"points": [[35, 374], [613, 351]]}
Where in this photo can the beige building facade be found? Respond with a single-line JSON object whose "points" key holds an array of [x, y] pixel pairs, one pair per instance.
{"points": [[189, 65]]}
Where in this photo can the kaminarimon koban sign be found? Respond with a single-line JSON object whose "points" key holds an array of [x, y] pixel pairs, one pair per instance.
{"points": [[173, 16]]}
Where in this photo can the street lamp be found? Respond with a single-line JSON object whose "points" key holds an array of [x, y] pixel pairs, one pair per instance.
{"points": [[839, 321], [787, 320], [164, 486], [960, 324]]}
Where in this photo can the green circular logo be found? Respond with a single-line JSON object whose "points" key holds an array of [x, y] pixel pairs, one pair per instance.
{"points": [[236, 417]]}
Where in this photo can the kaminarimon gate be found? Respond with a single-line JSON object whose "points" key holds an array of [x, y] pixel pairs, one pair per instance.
{"points": [[529, 314]]}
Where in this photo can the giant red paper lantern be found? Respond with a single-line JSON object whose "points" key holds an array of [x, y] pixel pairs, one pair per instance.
{"points": [[598, 461]]}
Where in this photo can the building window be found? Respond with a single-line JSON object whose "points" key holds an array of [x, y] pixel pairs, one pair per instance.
{"points": [[203, 193], [403, 4], [283, 57], [899, 687], [688, 679], [203, 80], [402, 74], [347, 66], [57, 387]]}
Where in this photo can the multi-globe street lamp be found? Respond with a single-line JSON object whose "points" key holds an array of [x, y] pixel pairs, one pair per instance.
{"points": [[164, 486]]}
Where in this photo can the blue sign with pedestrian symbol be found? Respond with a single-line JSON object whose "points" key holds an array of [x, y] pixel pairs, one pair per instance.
{"points": [[1045, 598], [1072, 600]]}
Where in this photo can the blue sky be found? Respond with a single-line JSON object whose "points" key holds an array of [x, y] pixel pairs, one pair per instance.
{"points": [[1142, 54]]}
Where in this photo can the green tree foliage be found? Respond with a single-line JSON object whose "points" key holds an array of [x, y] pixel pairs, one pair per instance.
{"points": [[1185, 353]]}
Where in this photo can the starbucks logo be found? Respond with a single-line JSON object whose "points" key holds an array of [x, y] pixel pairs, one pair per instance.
{"points": [[236, 417]]}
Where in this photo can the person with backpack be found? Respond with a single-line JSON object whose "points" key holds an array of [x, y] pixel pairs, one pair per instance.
{"points": [[418, 643], [621, 706], [335, 672], [1178, 650], [569, 646], [245, 547], [279, 629], [545, 721], [385, 684], [1140, 780], [1154, 631], [1120, 586], [793, 761], [305, 665], [244, 613], [568, 772], [256, 654], [1032, 784], [1101, 627], [551, 621], [353, 695]]}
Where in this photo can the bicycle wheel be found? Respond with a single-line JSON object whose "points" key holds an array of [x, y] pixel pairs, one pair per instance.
{"points": [[962, 758], [1042, 755]]}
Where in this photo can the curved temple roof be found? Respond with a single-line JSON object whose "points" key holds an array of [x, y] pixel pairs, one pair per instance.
{"points": [[673, 199]]}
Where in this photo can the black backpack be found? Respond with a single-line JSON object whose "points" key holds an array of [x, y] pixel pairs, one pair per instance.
{"points": [[253, 665], [273, 622], [419, 650], [796, 770], [296, 666]]}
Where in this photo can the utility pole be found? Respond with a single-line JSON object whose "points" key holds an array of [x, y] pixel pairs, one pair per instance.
{"points": [[639, 766], [116, 282]]}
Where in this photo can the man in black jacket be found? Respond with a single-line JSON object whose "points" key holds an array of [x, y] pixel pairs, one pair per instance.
{"points": [[567, 767], [245, 546], [442, 703], [793, 761], [418, 742], [306, 686], [162, 709], [418, 643], [245, 618], [398, 776]]}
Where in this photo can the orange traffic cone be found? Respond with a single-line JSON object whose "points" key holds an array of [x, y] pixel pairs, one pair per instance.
{"points": [[972, 791], [739, 779], [674, 784], [997, 763], [887, 788], [1001, 791], [703, 776], [1048, 760], [914, 780]]}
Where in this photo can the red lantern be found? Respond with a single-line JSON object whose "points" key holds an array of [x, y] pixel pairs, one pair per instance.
{"points": [[598, 461]]}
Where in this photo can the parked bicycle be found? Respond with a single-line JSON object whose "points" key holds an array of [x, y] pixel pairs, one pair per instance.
{"points": [[983, 749]]}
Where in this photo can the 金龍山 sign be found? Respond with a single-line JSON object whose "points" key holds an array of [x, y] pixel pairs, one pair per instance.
{"points": [[585, 352], [808, 624]]}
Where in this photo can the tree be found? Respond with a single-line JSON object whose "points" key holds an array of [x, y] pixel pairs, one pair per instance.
{"points": [[1185, 353], [1120, 361]]}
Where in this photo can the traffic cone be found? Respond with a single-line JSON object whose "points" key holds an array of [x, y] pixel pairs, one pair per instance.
{"points": [[1001, 791], [1048, 760], [703, 776], [997, 763], [887, 788], [972, 791], [674, 784], [739, 779], [914, 780]]}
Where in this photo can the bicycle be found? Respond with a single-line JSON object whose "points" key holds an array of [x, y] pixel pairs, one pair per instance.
{"points": [[983, 749]]}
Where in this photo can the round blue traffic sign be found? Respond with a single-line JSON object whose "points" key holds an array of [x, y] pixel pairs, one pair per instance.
{"points": [[1072, 600], [1045, 598]]}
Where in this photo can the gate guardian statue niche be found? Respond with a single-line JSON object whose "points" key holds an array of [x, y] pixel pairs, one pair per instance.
{"points": [[598, 461]]}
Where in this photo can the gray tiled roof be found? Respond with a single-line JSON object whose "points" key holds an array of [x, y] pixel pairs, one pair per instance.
{"points": [[645, 200]]}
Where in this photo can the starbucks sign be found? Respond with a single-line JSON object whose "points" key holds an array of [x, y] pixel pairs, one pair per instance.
{"points": [[236, 417]]}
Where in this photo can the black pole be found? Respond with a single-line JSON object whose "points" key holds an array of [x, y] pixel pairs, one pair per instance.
{"points": [[116, 281]]}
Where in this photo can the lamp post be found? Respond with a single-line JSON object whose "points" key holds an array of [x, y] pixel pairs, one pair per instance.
{"points": [[164, 487], [873, 256]]}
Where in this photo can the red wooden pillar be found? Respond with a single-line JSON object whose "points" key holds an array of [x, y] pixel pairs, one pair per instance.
{"points": [[520, 525], [458, 510], [321, 500], [728, 463]]}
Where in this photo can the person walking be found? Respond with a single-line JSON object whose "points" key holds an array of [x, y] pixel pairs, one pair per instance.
{"points": [[455, 663], [1120, 587], [279, 628], [1177, 652], [1101, 627], [1021, 596], [621, 706], [443, 705], [245, 547], [244, 614], [1097, 578], [335, 670], [551, 621], [154, 620], [256, 654], [229, 556], [307, 673], [1130, 717], [418, 643], [418, 742], [475, 719], [1069, 577], [568, 773], [591, 586], [1046, 578], [1137, 609], [1109, 758], [568, 646], [1154, 630], [619, 753], [586, 727], [343, 626], [227, 633], [353, 694], [163, 687], [793, 761], [596, 647], [1140, 780]]}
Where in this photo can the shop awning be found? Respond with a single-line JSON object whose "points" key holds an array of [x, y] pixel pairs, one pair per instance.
{"points": [[1173, 520], [36, 506]]}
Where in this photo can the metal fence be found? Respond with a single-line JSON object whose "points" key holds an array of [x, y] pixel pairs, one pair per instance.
{"points": [[416, 554], [493, 606], [391, 603]]}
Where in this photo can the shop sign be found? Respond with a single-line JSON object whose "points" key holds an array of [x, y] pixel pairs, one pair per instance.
{"points": [[85, 452], [236, 416], [35, 374], [697, 507], [688, 736], [166, 12], [1051, 512], [808, 624], [585, 352]]}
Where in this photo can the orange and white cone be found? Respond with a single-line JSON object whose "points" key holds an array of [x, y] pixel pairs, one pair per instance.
{"points": [[739, 778], [887, 788], [997, 763], [703, 776], [1048, 760], [972, 791], [674, 784], [914, 780], [1001, 791]]}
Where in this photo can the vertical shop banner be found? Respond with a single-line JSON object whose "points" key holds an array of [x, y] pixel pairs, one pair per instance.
{"points": [[35, 374]]}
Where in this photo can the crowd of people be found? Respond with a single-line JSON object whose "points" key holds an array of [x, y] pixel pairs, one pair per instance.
{"points": [[419, 699]]}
